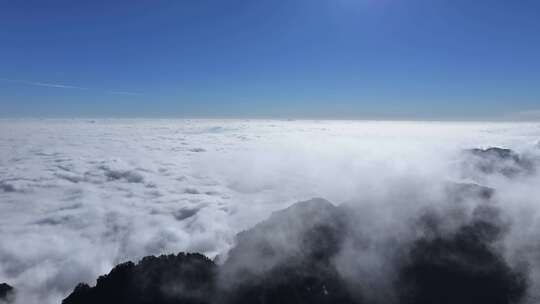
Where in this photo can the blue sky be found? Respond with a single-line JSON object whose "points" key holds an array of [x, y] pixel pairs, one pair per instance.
{"points": [[364, 59]]}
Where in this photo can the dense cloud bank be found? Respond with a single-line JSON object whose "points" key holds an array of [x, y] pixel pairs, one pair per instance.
{"points": [[78, 198]]}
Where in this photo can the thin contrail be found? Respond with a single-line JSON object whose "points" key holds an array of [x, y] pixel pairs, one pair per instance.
{"points": [[44, 84], [63, 86]]}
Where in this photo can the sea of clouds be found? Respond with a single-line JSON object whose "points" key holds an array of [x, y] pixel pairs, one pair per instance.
{"points": [[80, 196]]}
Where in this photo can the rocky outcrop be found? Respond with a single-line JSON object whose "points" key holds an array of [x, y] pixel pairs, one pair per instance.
{"points": [[168, 279], [7, 293], [287, 258], [461, 266]]}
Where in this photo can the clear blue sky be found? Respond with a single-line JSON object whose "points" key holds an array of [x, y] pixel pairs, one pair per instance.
{"points": [[374, 59]]}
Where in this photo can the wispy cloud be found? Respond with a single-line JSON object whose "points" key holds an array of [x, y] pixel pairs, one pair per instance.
{"points": [[43, 84], [55, 85], [65, 86]]}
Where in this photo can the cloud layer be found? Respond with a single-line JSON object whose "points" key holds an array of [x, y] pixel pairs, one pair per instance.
{"points": [[79, 196]]}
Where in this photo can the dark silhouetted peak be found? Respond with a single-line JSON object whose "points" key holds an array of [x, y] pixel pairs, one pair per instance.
{"points": [[182, 278], [495, 152], [286, 259], [460, 267], [291, 258], [7, 293], [298, 230], [311, 229]]}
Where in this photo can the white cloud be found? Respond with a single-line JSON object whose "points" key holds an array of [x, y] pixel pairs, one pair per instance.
{"points": [[77, 197]]}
